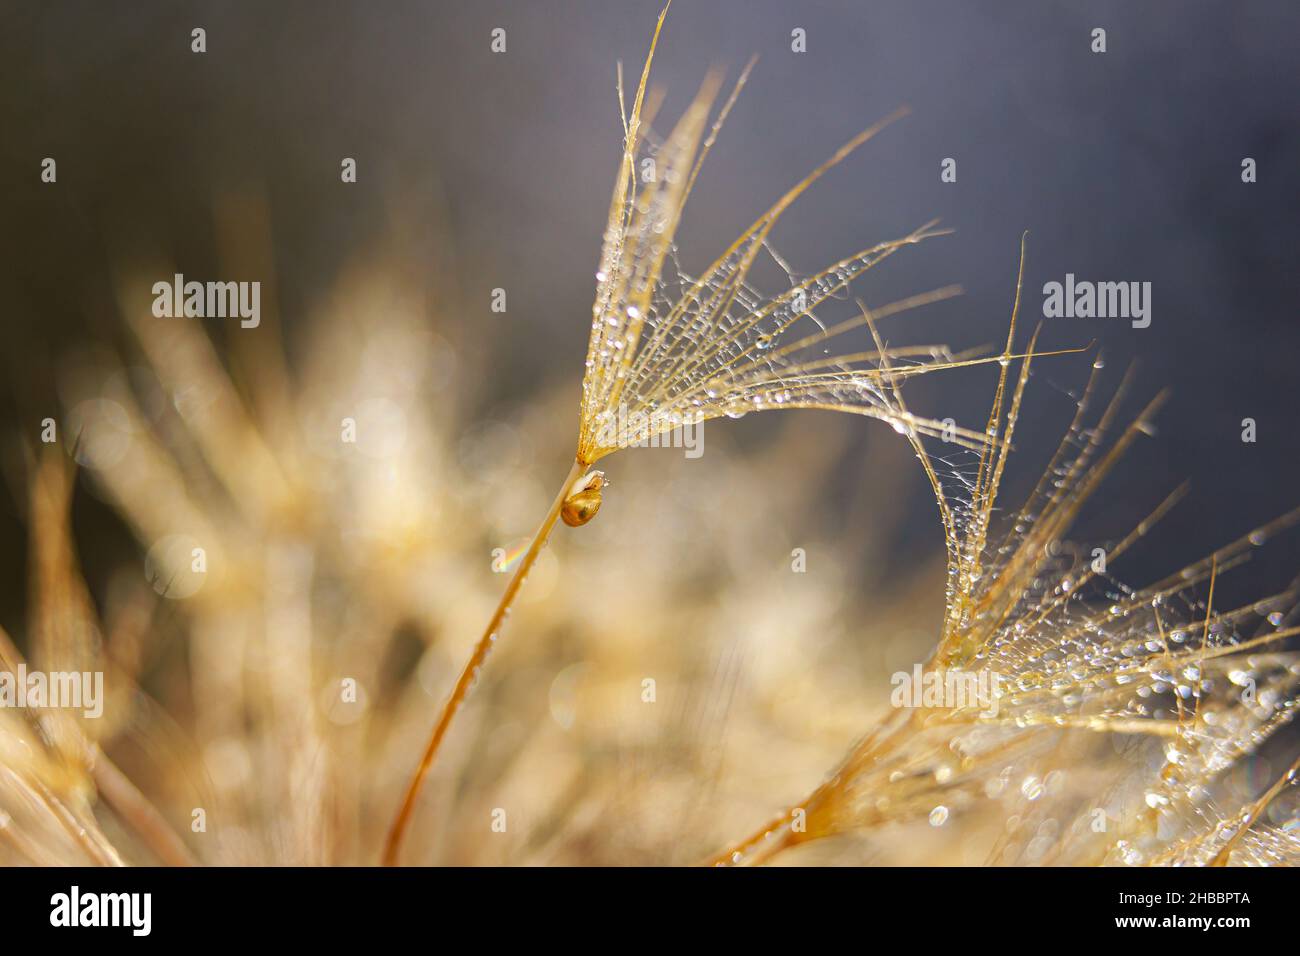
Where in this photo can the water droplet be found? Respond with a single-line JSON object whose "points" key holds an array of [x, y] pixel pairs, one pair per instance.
{"points": [[1032, 788], [735, 406]]}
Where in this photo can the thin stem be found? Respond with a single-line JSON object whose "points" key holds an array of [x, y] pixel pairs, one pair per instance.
{"points": [[469, 675], [136, 809], [763, 844]]}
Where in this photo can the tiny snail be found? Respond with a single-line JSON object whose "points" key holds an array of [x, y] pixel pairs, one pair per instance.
{"points": [[583, 500]]}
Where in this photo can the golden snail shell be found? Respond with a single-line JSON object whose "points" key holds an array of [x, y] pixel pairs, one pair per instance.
{"points": [[583, 500]]}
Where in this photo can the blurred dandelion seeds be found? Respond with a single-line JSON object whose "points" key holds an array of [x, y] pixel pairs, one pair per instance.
{"points": [[277, 693]]}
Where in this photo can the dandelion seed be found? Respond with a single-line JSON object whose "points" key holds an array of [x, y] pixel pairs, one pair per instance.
{"points": [[664, 346], [1077, 659]]}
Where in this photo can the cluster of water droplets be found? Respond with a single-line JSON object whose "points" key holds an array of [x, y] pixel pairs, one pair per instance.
{"points": [[674, 345]]}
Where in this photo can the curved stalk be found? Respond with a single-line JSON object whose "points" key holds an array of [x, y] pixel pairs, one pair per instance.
{"points": [[469, 675]]}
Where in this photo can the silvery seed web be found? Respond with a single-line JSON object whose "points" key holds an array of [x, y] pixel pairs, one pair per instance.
{"points": [[669, 346]]}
